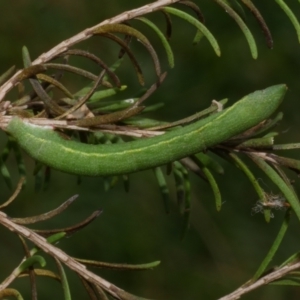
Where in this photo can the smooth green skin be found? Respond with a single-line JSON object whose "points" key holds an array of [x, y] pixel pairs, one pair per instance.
{"points": [[46, 146]]}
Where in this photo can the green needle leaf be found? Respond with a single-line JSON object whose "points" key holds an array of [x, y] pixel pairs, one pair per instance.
{"points": [[291, 16], [214, 187], [111, 106], [163, 187], [287, 192], [180, 189], [205, 162], [291, 260], [99, 95], [186, 205], [162, 38], [197, 24], [274, 247], [237, 7], [29, 262], [286, 146], [290, 281], [52, 239], [7, 74], [3, 169], [257, 143], [242, 25], [38, 176], [18, 155], [126, 182], [142, 122], [260, 192], [208, 162], [64, 280], [199, 35], [5, 174]]}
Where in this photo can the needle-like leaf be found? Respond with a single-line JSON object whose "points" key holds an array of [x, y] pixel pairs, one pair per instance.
{"points": [[197, 24]]}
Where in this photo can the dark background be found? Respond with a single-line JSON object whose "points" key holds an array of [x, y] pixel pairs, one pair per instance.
{"points": [[221, 250]]}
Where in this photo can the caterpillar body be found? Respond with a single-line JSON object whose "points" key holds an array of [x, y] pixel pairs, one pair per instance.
{"points": [[46, 146]]}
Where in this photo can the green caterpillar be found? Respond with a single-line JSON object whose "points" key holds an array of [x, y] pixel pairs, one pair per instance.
{"points": [[46, 146]]}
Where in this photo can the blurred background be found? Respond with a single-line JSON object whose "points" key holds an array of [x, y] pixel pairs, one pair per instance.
{"points": [[222, 250]]}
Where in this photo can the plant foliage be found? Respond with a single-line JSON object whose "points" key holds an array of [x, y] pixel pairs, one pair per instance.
{"points": [[99, 113]]}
